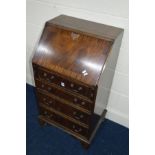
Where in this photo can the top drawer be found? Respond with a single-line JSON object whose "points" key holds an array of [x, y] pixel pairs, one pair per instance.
{"points": [[51, 77]]}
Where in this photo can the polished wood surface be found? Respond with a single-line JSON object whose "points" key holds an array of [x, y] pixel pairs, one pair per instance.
{"points": [[47, 115], [72, 54], [64, 109], [80, 104], [67, 65], [63, 95], [90, 28], [68, 84]]}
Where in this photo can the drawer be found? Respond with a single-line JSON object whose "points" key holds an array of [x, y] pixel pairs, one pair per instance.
{"points": [[71, 98], [63, 108], [51, 116], [47, 114], [67, 84], [45, 100]]}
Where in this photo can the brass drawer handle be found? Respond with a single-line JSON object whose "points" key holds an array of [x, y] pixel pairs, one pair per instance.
{"points": [[77, 130], [49, 103], [76, 115], [72, 85], [82, 103], [80, 88], [75, 99], [52, 77], [45, 74], [50, 116]]}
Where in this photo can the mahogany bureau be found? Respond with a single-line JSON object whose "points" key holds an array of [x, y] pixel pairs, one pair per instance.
{"points": [[71, 65]]}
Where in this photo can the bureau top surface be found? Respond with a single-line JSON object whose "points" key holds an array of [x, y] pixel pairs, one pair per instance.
{"points": [[68, 48]]}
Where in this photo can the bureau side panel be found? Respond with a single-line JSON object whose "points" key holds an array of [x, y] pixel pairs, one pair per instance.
{"points": [[106, 77]]}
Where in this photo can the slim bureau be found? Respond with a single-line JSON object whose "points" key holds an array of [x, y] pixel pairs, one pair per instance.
{"points": [[73, 68]]}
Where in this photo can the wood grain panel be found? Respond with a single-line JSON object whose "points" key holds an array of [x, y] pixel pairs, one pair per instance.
{"points": [[72, 54]]}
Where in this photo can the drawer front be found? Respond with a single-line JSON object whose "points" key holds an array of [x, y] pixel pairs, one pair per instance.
{"points": [[63, 108], [64, 122], [64, 83], [66, 96]]}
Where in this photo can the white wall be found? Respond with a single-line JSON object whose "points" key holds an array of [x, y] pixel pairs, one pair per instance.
{"points": [[111, 12]]}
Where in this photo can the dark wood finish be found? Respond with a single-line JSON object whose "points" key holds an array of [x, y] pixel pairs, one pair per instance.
{"points": [[68, 63], [60, 52], [75, 128], [74, 105], [89, 28], [64, 95], [58, 80], [64, 116], [52, 103]]}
